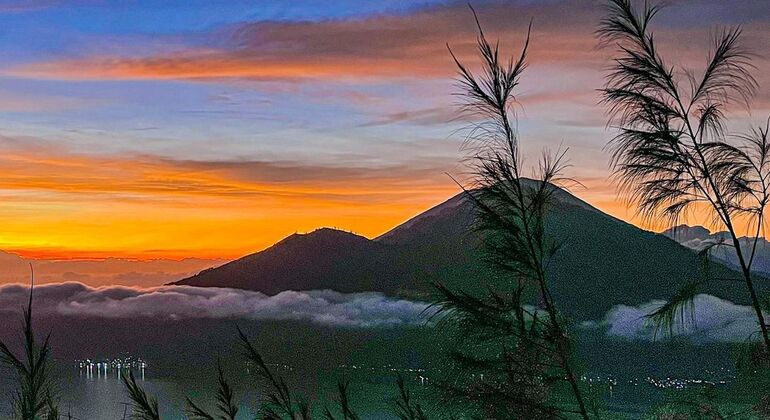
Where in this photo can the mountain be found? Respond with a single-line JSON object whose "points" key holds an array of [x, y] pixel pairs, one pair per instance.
{"points": [[603, 261], [107, 271], [684, 234], [698, 237], [323, 259]]}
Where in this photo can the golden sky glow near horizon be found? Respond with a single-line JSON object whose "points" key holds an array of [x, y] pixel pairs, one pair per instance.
{"points": [[173, 131]]}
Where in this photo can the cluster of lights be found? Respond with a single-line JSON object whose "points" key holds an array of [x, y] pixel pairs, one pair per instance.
{"points": [[93, 368], [674, 383], [389, 368], [386, 368], [250, 366]]}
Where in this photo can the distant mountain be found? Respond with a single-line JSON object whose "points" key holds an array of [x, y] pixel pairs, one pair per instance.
{"points": [[95, 272], [698, 238], [603, 261], [323, 259]]}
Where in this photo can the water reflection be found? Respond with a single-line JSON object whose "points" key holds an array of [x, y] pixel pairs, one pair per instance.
{"points": [[93, 389], [92, 369]]}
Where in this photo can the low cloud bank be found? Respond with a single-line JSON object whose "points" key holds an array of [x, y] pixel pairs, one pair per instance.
{"points": [[712, 319], [183, 302]]}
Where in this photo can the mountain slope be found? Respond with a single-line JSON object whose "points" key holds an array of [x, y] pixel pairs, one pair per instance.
{"points": [[323, 259], [698, 237], [603, 262]]}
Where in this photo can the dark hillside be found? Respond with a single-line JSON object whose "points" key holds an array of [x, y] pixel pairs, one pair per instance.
{"points": [[603, 261]]}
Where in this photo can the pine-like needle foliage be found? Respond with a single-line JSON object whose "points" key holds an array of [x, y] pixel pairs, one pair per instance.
{"points": [[343, 403], [227, 406], [406, 408], [280, 402], [143, 406], [34, 397], [53, 410], [512, 355], [672, 153]]}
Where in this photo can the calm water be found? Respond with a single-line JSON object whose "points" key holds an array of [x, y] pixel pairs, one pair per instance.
{"points": [[182, 362], [103, 396]]}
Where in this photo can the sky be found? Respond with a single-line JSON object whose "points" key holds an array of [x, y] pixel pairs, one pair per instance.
{"points": [[211, 129]]}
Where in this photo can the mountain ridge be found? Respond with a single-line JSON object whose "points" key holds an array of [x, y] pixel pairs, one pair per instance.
{"points": [[603, 262], [699, 237]]}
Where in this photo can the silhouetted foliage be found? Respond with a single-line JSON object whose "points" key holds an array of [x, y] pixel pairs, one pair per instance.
{"points": [[227, 407], [406, 408], [280, 403], [34, 397], [52, 412], [343, 402], [762, 408], [672, 151], [698, 403], [143, 406], [511, 355]]}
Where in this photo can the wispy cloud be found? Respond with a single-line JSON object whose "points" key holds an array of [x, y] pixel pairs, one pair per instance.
{"points": [[106, 271], [13, 6], [15, 102], [60, 204], [340, 129], [40, 165], [713, 319], [404, 45], [387, 46], [363, 310]]}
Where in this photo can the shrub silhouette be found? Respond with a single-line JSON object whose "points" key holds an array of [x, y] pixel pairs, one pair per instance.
{"points": [[279, 401], [512, 355], [672, 151], [35, 394]]}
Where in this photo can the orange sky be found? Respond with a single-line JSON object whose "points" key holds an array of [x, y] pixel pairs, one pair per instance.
{"points": [[77, 206], [183, 132], [58, 205], [155, 210]]}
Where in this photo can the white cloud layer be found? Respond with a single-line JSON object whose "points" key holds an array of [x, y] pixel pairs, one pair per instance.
{"points": [[183, 302], [712, 319]]}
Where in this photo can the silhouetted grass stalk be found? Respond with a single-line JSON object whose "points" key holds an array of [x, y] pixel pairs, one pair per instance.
{"points": [[672, 150], [279, 402], [511, 212], [227, 407], [143, 405], [34, 397]]}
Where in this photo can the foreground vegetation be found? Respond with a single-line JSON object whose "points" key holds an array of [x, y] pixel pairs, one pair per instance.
{"points": [[514, 352]]}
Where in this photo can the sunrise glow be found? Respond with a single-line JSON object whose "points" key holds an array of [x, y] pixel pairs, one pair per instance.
{"points": [[214, 139]]}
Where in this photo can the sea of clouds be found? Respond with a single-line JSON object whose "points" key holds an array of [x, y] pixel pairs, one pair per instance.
{"points": [[323, 307], [710, 319]]}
